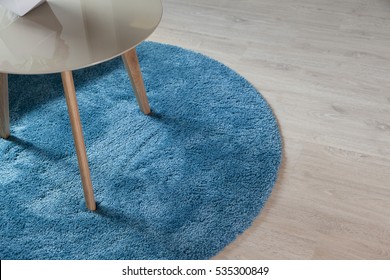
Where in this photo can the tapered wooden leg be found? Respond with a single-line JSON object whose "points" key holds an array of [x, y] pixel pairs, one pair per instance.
{"points": [[130, 60], [71, 101], [4, 107]]}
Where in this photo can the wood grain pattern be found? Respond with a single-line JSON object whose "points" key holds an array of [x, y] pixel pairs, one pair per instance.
{"points": [[130, 59], [324, 67], [74, 116], [4, 106]]}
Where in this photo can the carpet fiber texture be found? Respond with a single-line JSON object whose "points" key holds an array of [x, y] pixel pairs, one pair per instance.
{"points": [[181, 183]]}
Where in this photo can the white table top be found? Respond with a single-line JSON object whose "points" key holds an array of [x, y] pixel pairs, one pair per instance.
{"points": [[65, 35]]}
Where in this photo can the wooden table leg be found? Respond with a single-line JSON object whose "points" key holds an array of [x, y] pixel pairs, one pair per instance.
{"points": [[4, 107], [130, 60], [71, 101]]}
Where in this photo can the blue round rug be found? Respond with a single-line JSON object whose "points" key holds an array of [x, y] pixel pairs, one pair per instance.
{"points": [[180, 184]]}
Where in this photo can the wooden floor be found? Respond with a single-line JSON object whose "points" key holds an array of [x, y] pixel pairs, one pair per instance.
{"points": [[324, 67]]}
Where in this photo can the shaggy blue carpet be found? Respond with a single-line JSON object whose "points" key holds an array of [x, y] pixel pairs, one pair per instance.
{"points": [[179, 184]]}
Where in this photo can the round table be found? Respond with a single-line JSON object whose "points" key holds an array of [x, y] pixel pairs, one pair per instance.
{"points": [[64, 35]]}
